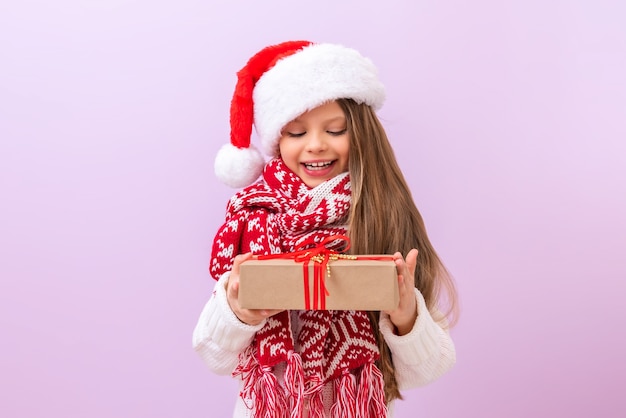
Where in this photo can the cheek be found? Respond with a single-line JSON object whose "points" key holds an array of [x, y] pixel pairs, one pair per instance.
{"points": [[287, 153], [283, 149], [345, 157], [346, 149]]}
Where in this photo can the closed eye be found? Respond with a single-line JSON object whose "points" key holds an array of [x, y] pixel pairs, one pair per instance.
{"points": [[337, 133], [295, 134]]}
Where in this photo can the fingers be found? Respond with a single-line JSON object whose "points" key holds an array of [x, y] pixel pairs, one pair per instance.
{"points": [[240, 259], [266, 313], [403, 317], [233, 281], [411, 260], [406, 268], [248, 316], [255, 316]]}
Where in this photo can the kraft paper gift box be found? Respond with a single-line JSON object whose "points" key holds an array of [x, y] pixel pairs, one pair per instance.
{"points": [[353, 284]]}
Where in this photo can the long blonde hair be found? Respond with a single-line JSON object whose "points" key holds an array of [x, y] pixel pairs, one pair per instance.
{"points": [[384, 219]]}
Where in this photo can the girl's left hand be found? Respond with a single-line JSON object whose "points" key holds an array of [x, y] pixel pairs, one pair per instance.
{"points": [[404, 316]]}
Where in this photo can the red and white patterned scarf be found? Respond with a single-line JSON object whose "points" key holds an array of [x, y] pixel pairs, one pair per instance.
{"points": [[338, 347]]}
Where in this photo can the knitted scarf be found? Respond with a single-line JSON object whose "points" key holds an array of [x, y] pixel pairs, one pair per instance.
{"points": [[336, 347]]}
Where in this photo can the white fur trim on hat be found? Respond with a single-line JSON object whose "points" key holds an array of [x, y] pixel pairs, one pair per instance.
{"points": [[311, 77]]}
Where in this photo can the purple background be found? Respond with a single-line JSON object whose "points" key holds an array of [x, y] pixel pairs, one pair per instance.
{"points": [[508, 118]]}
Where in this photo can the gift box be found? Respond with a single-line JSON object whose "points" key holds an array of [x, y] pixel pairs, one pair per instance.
{"points": [[362, 283]]}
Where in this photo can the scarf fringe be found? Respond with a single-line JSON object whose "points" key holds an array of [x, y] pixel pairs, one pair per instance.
{"points": [[345, 402], [269, 399], [355, 398], [261, 391], [314, 395], [370, 398], [294, 384], [247, 369]]}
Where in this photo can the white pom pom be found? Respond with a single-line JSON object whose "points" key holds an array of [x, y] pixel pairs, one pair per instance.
{"points": [[238, 167]]}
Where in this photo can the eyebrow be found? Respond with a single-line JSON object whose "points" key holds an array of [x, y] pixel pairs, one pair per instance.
{"points": [[327, 120]]}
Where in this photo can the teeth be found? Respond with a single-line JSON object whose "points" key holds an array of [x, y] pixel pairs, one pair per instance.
{"points": [[318, 165]]}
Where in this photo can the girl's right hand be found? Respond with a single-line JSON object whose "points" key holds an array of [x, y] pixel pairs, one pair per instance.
{"points": [[247, 316]]}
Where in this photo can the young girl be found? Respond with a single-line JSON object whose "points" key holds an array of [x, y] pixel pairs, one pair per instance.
{"points": [[332, 172]]}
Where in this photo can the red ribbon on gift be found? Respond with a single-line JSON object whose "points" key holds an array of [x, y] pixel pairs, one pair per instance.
{"points": [[320, 255]]}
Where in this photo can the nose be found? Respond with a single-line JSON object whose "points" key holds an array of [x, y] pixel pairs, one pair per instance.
{"points": [[316, 142]]}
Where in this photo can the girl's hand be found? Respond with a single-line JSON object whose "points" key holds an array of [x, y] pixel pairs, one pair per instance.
{"points": [[248, 316], [404, 316]]}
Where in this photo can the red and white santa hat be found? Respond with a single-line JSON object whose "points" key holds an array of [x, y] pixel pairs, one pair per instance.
{"points": [[280, 83]]}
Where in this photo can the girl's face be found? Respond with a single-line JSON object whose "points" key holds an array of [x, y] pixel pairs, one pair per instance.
{"points": [[315, 144]]}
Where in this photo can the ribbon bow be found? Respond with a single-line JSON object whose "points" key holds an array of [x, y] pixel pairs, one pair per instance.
{"points": [[320, 255]]}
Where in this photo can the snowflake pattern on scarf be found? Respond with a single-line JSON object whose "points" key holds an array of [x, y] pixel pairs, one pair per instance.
{"points": [[276, 216]]}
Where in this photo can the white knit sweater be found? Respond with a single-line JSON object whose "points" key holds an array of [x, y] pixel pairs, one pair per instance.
{"points": [[419, 357]]}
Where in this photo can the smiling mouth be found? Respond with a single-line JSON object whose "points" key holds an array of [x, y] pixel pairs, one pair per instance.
{"points": [[318, 165]]}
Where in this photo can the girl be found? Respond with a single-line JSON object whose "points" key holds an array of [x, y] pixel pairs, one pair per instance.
{"points": [[333, 172]]}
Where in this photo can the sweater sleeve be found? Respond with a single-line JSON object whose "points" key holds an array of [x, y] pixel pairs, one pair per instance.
{"points": [[425, 353], [219, 336]]}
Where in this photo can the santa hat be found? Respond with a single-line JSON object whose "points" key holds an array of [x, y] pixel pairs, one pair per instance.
{"points": [[280, 83]]}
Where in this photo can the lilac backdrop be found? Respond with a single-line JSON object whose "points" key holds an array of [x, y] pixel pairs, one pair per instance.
{"points": [[509, 119]]}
